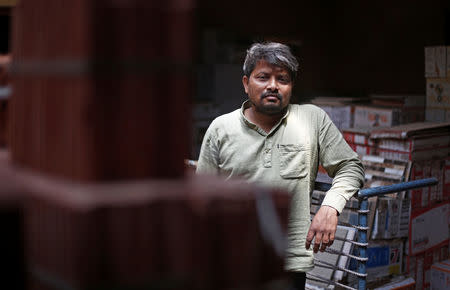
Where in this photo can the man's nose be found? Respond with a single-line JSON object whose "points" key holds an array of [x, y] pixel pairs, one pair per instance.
{"points": [[272, 85]]}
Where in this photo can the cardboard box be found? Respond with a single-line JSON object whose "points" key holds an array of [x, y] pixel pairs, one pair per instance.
{"points": [[363, 149], [416, 155], [429, 229], [419, 266], [412, 144], [440, 275], [414, 141], [411, 106], [322, 270], [422, 198], [391, 218], [412, 130], [438, 94], [360, 136], [385, 258], [372, 116], [437, 115], [341, 115], [402, 283], [436, 62], [404, 101]]}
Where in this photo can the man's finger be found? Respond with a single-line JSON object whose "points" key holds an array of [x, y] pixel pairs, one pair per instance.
{"points": [[325, 243], [309, 238], [316, 247], [317, 242]]}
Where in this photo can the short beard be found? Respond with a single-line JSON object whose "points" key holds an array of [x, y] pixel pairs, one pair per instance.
{"points": [[270, 110]]}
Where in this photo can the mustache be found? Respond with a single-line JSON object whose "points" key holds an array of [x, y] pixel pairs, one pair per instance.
{"points": [[272, 94]]}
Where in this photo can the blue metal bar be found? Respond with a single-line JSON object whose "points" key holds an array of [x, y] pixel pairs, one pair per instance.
{"points": [[368, 192], [374, 191], [363, 210], [362, 238]]}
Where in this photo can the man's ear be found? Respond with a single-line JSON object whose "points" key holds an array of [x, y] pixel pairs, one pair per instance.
{"points": [[245, 83]]}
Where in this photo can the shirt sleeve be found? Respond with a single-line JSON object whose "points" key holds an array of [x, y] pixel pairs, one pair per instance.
{"points": [[340, 162], [208, 160]]}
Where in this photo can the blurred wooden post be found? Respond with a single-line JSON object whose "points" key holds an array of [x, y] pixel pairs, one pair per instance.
{"points": [[102, 88]]}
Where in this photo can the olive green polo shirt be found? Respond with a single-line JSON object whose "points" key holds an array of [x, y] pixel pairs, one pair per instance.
{"points": [[287, 157]]}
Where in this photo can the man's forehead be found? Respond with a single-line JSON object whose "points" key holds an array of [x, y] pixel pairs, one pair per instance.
{"points": [[263, 64]]}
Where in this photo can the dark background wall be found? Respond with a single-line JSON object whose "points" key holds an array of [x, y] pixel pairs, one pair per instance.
{"points": [[5, 27], [345, 47]]}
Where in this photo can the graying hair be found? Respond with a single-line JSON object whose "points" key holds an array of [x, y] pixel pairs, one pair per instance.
{"points": [[274, 53]]}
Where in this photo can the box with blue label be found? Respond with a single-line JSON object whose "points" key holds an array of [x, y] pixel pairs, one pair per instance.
{"points": [[385, 258]]}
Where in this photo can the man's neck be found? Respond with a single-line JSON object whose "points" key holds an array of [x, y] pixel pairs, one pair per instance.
{"points": [[264, 121]]}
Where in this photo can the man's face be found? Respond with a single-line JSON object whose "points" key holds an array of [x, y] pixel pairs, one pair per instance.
{"points": [[269, 88]]}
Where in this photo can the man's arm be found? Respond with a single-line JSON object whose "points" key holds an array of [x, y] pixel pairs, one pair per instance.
{"points": [[343, 164], [208, 160]]}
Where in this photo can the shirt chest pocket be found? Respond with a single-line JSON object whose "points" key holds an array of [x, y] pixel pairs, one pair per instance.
{"points": [[293, 160]]}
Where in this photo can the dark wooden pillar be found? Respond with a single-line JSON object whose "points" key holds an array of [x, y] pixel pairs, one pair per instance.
{"points": [[101, 88]]}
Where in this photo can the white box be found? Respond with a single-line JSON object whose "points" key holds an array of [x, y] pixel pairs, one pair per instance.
{"points": [[358, 136], [440, 275], [438, 94], [341, 115], [428, 229], [371, 116]]}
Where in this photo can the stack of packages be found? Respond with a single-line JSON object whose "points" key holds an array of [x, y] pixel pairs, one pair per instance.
{"points": [[387, 110], [426, 146], [388, 159], [5, 91], [340, 109], [99, 152]]}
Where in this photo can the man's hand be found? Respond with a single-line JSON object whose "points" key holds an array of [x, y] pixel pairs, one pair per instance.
{"points": [[323, 228]]}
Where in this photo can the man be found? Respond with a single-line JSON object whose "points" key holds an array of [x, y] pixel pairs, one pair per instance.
{"points": [[274, 143]]}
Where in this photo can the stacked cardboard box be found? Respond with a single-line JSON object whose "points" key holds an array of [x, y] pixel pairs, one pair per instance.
{"points": [[440, 275], [373, 111], [437, 74], [392, 211], [411, 107], [386, 111], [390, 110], [359, 140], [426, 145], [340, 109]]}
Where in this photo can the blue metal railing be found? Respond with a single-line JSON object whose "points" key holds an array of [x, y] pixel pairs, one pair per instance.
{"points": [[363, 195]]}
